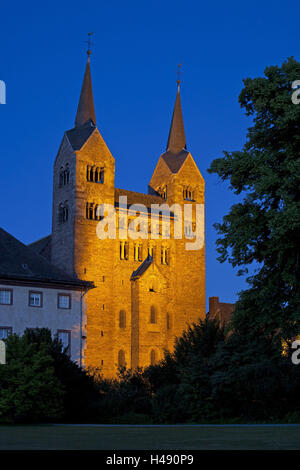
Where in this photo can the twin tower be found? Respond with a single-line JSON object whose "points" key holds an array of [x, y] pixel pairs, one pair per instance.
{"points": [[147, 289]]}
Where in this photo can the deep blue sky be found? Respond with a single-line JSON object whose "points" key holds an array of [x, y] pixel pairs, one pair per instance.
{"points": [[138, 45]]}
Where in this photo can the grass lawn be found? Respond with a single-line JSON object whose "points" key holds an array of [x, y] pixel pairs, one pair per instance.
{"points": [[89, 437]]}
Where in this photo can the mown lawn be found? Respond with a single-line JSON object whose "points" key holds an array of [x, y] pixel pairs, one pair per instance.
{"points": [[89, 437]]}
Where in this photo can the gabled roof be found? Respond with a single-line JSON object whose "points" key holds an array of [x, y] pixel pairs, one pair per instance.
{"points": [[142, 268], [137, 198], [42, 247], [20, 262], [79, 135], [175, 161], [141, 198]]}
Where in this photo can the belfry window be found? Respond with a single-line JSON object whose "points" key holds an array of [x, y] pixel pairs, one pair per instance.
{"points": [[94, 211], [60, 213], [61, 177], [95, 174], [163, 192], [63, 213], [90, 210], [100, 175], [64, 175], [98, 212], [66, 212], [188, 194]]}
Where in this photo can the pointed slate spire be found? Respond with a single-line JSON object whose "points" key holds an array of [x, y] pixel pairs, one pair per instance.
{"points": [[86, 109], [176, 141]]}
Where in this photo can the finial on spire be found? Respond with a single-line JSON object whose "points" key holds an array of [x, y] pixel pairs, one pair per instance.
{"points": [[176, 141], [178, 74], [89, 43], [86, 108]]}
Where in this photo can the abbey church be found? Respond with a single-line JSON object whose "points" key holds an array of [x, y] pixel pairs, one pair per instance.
{"points": [[147, 289]]}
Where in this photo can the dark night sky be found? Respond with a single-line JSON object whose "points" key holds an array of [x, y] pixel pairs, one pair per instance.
{"points": [[138, 45]]}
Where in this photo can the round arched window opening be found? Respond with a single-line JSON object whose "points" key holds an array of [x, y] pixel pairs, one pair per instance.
{"points": [[122, 319], [153, 357], [153, 314], [121, 358]]}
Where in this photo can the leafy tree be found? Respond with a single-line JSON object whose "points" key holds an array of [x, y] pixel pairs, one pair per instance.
{"points": [[29, 389], [264, 228], [187, 396], [80, 391], [41, 383]]}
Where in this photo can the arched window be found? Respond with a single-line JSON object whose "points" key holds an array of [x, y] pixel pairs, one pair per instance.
{"points": [[60, 214], [97, 175], [153, 359], [122, 319], [94, 174], [66, 174], [153, 314], [96, 212], [91, 174], [136, 252], [164, 255], [121, 358], [61, 176], [124, 250], [140, 253], [101, 178], [151, 286], [91, 211], [150, 251], [66, 212]]}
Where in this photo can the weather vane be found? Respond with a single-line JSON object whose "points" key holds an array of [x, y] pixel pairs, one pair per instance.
{"points": [[89, 43], [178, 73]]}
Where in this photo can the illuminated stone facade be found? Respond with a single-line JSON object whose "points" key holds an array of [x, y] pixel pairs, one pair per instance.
{"points": [[140, 303]]}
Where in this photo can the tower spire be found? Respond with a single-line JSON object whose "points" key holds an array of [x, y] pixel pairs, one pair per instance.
{"points": [[86, 108], [176, 140]]}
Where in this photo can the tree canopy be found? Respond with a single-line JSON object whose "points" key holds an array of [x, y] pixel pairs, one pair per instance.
{"points": [[264, 228]]}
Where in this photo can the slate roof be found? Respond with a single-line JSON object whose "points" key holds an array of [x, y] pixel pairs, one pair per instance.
{"points": [[142, 268], [175, 160], [79, 135], [42, 247], [137, 198], [20, 262]]}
